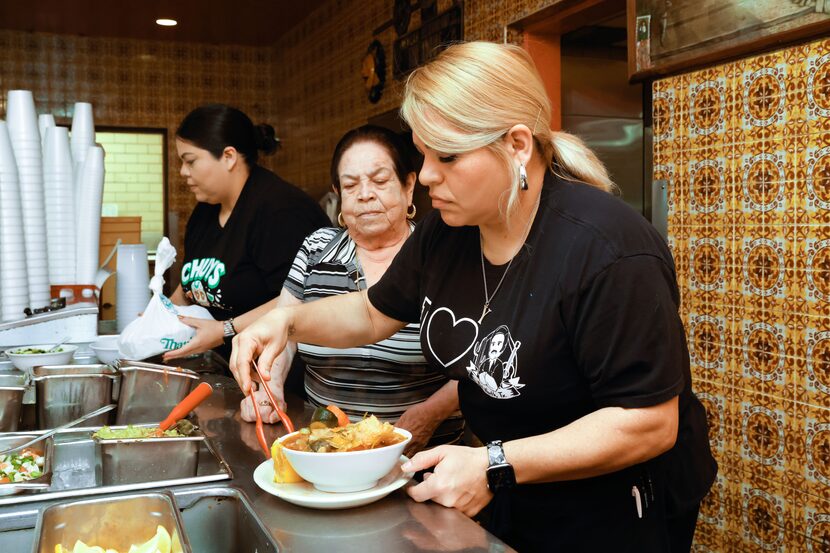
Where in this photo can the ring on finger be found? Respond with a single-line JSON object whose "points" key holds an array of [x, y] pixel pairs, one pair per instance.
{"points": [[264, 402]]}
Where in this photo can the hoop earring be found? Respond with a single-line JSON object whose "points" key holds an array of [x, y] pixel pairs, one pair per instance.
{"points": [[522, 176], [412, 214], [340, 220]]}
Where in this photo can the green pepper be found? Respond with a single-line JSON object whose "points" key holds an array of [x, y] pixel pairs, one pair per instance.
{"points": [[323, 415]]}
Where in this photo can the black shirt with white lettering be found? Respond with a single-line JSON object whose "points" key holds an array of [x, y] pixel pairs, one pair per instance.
{"points": [[586, 317], [233, 269]]}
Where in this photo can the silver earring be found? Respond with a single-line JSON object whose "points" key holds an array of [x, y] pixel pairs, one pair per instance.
{"points": [[522, 176]]}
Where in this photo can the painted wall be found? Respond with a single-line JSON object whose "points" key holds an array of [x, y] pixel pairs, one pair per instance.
{"points": [[745, 149]]}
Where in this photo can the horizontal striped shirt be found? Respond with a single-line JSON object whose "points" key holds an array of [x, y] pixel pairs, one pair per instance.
{"points": [[385, 378]]}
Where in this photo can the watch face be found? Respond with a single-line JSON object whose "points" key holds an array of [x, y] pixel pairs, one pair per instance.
{"points": [[500, 476]]}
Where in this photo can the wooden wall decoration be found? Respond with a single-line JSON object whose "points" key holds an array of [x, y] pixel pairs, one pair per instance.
{"points": [[420, 45], [672, 36]]}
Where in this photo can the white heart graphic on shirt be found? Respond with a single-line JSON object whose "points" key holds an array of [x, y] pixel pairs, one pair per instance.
{"points": [[463, 320]]}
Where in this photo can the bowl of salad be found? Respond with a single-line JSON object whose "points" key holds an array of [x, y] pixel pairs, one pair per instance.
{"points": [[26, 357]]}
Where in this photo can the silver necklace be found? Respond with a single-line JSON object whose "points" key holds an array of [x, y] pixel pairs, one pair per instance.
{"points": [[485, 310], [487, 297]]}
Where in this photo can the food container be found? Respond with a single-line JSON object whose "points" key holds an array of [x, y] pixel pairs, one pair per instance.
{"points": [[65, 392], [106, 349], [25, 361], [45, 480], [346, 471], [134, 460], [116, 522], [149, 391], [12, 387]]}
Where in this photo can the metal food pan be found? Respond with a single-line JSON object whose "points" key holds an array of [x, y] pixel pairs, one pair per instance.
{"points": [[12, 388], [149, 459], [149, 391], [65, 392], [115, 522], [45, 480]]}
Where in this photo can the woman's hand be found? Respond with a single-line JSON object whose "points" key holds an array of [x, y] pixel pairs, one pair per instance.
{"points": [[265, 339], [459, 479], [209, 334], [421, 424], [266, 410]]}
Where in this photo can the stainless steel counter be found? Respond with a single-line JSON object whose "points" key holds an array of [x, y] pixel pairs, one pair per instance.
{"points": [[393, 524]]}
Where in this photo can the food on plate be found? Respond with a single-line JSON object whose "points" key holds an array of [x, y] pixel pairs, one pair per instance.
{"points": [[284, 473], [20, 467], [162, 542], [136, 432], [368, 433], [33, 351]]}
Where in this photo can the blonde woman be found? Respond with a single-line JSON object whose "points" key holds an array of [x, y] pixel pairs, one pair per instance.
{"points": [[554, 306]]}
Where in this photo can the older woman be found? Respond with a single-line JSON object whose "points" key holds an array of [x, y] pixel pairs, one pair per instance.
{"points": [[372, 173], [555, 307]]}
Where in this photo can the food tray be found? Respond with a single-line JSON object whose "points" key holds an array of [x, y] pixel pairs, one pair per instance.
{"points": [[66, 392], [150, 391], [149, 459], [111, 522], [77, 470], [45, 479]]}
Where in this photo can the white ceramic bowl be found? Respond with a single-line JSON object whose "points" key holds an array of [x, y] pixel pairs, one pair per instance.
{"points": [[106, 349], [349, 471], [25, 361]]}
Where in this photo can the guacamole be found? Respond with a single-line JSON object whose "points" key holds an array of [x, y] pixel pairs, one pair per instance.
{"points": [[133, 432]]}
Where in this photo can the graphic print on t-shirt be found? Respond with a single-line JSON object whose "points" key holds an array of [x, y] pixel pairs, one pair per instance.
{"points": [[493, 366], [200, 280]]}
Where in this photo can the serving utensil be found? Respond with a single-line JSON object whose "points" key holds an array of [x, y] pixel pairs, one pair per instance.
{"points": [[286, 421], [185, 406], [53, 431], [58, 345], [260, 431]]}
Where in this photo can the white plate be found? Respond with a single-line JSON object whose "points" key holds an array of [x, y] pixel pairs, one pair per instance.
{"points": [[306, 495]]}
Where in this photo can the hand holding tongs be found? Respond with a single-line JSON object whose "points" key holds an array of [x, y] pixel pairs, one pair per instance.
{"points": [[286, 421]]}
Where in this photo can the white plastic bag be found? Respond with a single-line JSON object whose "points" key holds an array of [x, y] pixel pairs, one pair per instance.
{"points": [[159, 328]]}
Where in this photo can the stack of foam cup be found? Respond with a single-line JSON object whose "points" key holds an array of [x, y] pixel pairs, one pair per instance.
{"points": [[45, 121], [88, 216], [25, 139], [132, 283], [59, 189], [81, 139], [14, 282]]}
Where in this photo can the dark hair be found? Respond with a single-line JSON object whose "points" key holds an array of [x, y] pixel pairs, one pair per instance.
{"points": [[396, 146], [214, 127]]}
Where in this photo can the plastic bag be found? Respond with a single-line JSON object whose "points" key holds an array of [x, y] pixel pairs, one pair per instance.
{"points": [[159, 328]]}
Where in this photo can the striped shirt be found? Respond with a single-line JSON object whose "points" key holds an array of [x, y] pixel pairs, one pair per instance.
{"points": [[384, 378]]}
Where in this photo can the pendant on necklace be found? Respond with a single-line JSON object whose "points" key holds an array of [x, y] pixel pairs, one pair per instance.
{"points": [[484, 312]]}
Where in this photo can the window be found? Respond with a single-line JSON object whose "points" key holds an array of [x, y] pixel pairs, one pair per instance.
{"points": [[134, 185]]}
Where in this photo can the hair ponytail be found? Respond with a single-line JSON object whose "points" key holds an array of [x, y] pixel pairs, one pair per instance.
{"points": [[266, 139], [570, 154]]}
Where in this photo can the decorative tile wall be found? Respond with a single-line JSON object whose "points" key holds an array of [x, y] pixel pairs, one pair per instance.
{"points": [[745, 149]]}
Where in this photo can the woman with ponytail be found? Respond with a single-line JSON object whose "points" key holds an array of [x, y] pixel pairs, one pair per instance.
{"points": [[245, 229], [554, 306]]}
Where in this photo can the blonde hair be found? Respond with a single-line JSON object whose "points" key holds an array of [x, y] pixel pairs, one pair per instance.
{"points": [[473, 93]]}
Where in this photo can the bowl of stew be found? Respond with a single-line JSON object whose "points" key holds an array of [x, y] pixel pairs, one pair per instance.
{"points": [[349, 458]]}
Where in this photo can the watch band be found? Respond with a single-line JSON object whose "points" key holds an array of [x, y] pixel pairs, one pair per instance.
{"points": [[495, 453], [229, 330]]}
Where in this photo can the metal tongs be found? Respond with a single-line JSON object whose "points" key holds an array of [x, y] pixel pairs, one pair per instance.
{"points": [[286, 421]]}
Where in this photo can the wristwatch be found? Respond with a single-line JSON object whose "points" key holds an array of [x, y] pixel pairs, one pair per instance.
{"points": [[229, 330], [500, 473]]}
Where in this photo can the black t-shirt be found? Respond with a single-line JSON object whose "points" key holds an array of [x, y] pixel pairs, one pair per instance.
{"points": [[586, 317], [233, 269]]}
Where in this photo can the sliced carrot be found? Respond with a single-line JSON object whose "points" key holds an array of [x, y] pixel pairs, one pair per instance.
{"points": [[342, 419], [4, 480]]}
